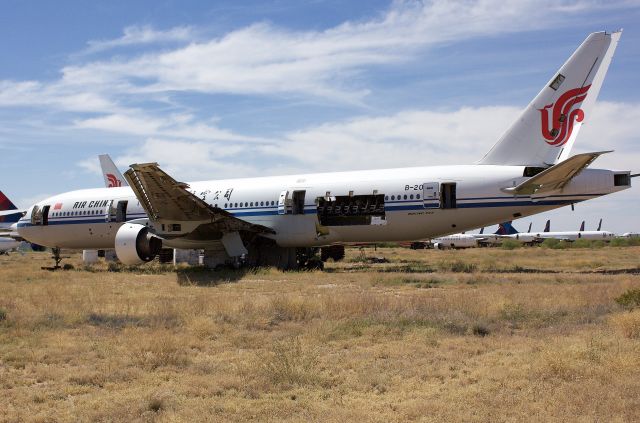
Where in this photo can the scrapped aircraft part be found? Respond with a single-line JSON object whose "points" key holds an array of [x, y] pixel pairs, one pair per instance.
{"points": [[165, 255], [134, 244], [555, 177], [190, 257], [89, 257], [168, 202], [347, 210]]}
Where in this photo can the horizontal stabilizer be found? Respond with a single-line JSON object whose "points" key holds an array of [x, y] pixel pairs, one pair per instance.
{"points": [[555, 177], [18, 213]]}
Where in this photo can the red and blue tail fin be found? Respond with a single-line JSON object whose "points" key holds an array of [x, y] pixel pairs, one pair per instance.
{"points": [[505, 228], [547, 227], [6, 204], [582, 227]]}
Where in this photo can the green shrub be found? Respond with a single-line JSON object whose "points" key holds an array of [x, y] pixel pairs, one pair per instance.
{"points": [[458, 266], [630, 299], [619, 242], [3, 315], [510, 244], [582, 243], [555, 244]]}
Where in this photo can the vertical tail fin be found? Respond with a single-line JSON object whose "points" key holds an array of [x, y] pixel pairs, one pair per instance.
{"points": [[547, 227], [111, 174], [545, 132], [505, 228], [581, 227], [529, 230], [482, 230], [600, 224], [6, 204]]}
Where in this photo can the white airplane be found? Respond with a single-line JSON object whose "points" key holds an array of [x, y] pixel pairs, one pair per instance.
{"points": [[277, 220], [526, 238], [630, 235], [7, 244], [571, 236], [455, 241]]}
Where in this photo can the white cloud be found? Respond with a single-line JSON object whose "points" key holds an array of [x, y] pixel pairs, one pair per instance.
{"points": [[182, 126], [408, 138], [264, 59], [268, 60], [191, 160], [135, 35]]}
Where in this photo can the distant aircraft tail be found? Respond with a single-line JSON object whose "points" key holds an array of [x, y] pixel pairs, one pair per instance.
{"points": [[112, 176], [505, 228], [545, 132], [6, 204], [547, 227], [600, 224], [582, 227], [529, 230]]}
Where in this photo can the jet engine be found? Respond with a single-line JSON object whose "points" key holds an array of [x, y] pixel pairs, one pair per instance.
{"points": [[438, 246], [136, 245]]}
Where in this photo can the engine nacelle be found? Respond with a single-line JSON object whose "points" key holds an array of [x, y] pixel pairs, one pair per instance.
{"points": [[438, 246], [136, 245]]}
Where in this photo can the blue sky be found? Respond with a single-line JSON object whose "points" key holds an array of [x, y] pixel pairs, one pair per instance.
{"points": [[241, 88]]}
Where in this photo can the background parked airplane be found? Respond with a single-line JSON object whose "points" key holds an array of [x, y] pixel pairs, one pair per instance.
{"points": [[575, 235]]}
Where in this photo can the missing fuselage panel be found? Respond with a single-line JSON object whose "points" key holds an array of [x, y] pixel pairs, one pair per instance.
{"points": [[346, 210]]}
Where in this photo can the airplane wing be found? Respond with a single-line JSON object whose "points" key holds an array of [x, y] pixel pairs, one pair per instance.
{"points": [[555, 177], [167, 200]]}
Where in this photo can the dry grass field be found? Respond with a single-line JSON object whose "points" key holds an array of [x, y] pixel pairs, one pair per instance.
{"points": [[477, 335]]}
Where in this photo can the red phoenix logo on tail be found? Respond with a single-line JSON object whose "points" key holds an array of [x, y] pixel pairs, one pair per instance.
{"points": [[113, 181], [562, 117]]}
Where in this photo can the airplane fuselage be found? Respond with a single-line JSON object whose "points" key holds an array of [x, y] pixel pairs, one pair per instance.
{"points": [[322, 209]]}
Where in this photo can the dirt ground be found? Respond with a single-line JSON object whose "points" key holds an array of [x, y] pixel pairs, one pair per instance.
{"points": [[530, 334]]}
